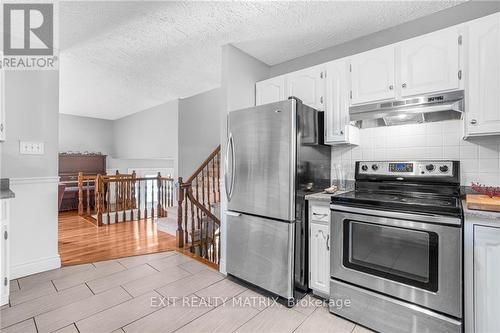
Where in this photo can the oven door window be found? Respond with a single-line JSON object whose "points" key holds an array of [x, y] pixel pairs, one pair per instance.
{"points": [[398, 254]]}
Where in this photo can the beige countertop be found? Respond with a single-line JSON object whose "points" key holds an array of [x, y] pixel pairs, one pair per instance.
{"points": [[322, 196], [471, 214]]}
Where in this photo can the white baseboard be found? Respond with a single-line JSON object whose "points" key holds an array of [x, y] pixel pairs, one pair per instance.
{"points": [[33, 267], [222, 266]]}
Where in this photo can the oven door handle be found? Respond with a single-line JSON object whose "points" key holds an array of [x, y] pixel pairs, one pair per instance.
{"points": [[399, 215]]}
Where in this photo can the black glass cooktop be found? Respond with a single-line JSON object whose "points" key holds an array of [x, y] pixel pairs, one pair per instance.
{"points": [[402, 201]]}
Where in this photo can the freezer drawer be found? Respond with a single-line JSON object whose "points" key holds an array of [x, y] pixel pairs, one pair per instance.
{"points": [[260, 251]]}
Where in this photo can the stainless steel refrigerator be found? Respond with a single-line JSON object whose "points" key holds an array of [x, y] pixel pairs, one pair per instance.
{"points": [[275, 156]]}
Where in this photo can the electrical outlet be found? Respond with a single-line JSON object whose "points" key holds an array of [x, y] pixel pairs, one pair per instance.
{"points": [[31, 148]]}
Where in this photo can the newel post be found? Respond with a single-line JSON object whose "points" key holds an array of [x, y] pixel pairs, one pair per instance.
{"points": [[134, 199], [80, 193], [159, 207], [98, 195], [180, 198]]}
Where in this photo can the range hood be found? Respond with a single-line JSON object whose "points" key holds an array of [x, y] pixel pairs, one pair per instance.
{"points": [[420, 109]]}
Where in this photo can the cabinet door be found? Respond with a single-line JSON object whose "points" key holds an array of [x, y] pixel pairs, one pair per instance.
{"points": [[430, 63], [337, 122], [486, 279], [270, 91], [2, 106], [483, 110], [308, 85], [319, 258], [372, 75], [4, 263]]}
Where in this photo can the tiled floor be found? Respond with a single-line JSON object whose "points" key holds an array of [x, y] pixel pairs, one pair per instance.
{"points": [[161, 292]]}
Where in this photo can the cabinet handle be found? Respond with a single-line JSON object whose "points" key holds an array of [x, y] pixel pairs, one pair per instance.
{"points": [[473, 121], [1, 128], [391, 87], [328, 242], [321, 99], [5, 235], [403, 85], [320, 215], [5, 281]]}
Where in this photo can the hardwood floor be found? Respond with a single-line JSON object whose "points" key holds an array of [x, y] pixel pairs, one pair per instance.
{"points": [[80, 241]]}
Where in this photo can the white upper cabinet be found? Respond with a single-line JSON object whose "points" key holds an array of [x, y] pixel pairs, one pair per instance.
{"points": [[372, 75], [269, 91], [483, 87], [430, 63], [337, 122], [308, 85]]}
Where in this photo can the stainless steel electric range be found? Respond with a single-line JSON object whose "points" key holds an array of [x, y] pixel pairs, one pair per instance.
{"points": [[396, 259]]}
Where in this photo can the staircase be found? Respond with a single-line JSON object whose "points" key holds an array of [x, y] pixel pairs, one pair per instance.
{"points": [[198, 223]]}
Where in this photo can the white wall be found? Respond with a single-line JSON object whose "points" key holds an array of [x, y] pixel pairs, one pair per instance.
{"points": [[32, 110], [480, 158], [240, 71], [199, 129], [85, 134]]}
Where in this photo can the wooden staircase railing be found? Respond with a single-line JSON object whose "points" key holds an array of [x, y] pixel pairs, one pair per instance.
{"points": [[198, 223], [124, 197]]}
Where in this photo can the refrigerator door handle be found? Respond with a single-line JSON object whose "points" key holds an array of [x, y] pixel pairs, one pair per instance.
{"points": [[230, 148]]}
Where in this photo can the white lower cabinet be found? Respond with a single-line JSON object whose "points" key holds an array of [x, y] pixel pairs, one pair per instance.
{"points": [[319, 248], [4, 252], [486, 279], [482, 276]]}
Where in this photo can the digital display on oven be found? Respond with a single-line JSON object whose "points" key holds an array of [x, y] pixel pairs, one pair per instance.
{"points": [[400, 167]]}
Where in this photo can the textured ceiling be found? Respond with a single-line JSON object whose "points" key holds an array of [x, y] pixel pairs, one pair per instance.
{"points": [[120, 57]]}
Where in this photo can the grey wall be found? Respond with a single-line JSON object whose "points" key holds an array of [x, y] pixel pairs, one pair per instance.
{"points": [[149, 134], [199, 129], [146, 139], [445, 18], [240, 71], [122, 165], [32, 114], [85, 134]]}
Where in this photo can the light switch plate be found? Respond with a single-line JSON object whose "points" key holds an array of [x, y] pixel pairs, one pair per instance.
{"points": [[31, 148]]}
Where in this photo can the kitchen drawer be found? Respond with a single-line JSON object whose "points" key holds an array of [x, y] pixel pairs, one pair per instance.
{"points": [[320, 213]]}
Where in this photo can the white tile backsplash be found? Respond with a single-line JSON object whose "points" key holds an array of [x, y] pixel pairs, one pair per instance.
{"points": [[480, 158]]}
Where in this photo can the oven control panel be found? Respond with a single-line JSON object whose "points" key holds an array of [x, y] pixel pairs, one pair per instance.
{"points": [[407, 168]]}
